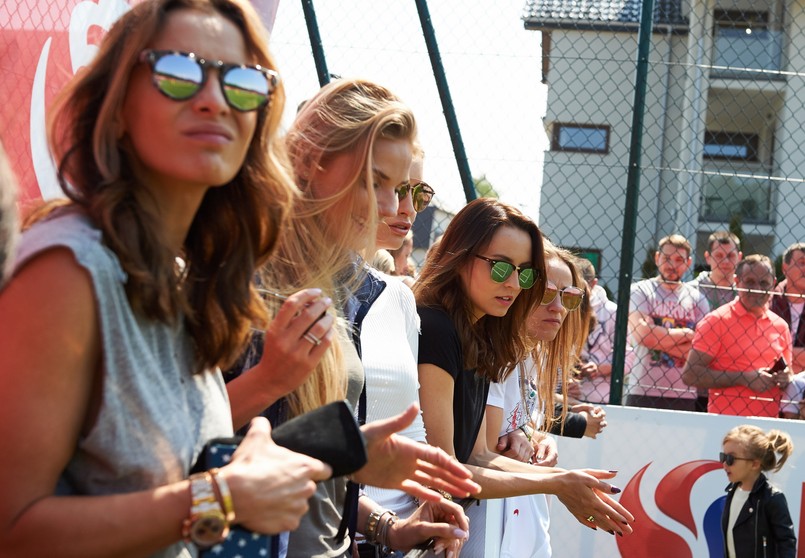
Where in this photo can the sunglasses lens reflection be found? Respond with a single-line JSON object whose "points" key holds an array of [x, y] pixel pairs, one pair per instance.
{"points": [[178, 76], [501, 271], [571, 299], [245, 88], [527, 278], [549, 295]]}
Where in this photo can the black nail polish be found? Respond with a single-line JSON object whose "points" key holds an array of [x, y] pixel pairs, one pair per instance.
{"points": [[616, 490]]}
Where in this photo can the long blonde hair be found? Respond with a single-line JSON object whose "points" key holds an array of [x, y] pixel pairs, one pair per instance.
{"points": [[556, 358], [237, 224], [763, 446], [346, 117]]}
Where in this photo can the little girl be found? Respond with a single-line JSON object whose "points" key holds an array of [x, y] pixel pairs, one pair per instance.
{"points": [[756, 521]]}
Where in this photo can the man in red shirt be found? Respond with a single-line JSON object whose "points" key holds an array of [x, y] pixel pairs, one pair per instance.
{"points": [[734, 347]]}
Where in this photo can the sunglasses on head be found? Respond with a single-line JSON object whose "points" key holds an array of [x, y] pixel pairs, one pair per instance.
{"points": [[180, 75], [421, 194], [570, 297], [730, 459], [501, 270]]}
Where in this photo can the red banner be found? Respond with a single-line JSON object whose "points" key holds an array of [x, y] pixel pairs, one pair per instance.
{"points": [[42, 44]]}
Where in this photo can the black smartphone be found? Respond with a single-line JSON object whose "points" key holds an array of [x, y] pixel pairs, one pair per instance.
{"points": [[778, 366]]}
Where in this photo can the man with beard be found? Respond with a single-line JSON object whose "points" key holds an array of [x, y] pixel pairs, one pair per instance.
{"points": [[736, 345], [663, 314], [718, 285], [722, 255]]}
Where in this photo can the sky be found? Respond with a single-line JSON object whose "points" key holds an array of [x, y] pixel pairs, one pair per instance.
{"points": [[493, 69]]}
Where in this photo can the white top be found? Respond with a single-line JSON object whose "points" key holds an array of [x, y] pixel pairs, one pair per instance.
{"points": [[526, 519], [599, 346], [655, 373], [389, 347], [794, 393], [796, 312], [738, 500]]}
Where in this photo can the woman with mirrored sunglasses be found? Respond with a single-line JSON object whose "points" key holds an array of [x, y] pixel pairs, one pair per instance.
{"points": [[389, 348], [473, 314], [526, 399], [755, 520], [128, 299]]}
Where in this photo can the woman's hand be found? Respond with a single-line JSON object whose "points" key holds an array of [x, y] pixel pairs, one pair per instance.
{"points": [[270, 485], [595, 416], [296, 339], [444, 521], [588, 499], [400, 463], [546, 453], [516, 445], [293, 344]]}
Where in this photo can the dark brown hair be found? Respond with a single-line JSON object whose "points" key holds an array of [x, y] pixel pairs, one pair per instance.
{"points": [[493, 345]]}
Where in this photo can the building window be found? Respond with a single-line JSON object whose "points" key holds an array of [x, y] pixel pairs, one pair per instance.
{"points": [[584, 138], [734, 146]]}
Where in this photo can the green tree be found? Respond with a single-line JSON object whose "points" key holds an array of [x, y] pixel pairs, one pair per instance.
{"points": [[649, 267], [484, 188], [736, 228]]}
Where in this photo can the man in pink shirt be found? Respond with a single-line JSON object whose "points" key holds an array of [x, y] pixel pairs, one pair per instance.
{"points": [[734, 347]]}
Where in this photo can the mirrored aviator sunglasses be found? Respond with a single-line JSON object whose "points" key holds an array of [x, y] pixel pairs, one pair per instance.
{"points": [[570, 297], [180, 75], [421, 194], [501, 270]]}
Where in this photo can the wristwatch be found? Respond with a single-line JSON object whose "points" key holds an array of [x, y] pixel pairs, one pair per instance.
{"points": [[207, 524]]}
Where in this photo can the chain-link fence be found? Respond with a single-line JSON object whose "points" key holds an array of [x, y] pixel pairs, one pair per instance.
{"points": [[546, 98]]}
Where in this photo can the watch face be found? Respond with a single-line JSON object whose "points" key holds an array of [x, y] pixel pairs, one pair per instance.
{"points": [[209, 530]]}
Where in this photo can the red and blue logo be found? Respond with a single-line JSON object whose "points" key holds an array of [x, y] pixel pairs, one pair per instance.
{"points": [[673, 498]]}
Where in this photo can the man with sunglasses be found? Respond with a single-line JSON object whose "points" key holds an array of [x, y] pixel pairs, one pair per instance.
{"points": [[663, 314], [736, 346]]}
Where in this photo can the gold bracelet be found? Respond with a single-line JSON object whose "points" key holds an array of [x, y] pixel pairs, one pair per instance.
{"points": [[446, 495], [370, 531], [223, 494], [383, 531]]}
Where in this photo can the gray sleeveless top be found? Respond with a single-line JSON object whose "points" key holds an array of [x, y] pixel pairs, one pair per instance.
{"points": [[155, 414]]}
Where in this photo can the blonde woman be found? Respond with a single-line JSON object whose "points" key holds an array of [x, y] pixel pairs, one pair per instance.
{"points": [[351, 148]]}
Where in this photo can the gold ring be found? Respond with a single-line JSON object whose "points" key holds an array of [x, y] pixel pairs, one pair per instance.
{"points": [[312, 338], [591, 519]]}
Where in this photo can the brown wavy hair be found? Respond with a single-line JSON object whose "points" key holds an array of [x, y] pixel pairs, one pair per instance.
{"points": [[493, 345], [236, 225]]}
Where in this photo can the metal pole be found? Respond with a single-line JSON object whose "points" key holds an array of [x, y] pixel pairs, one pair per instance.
{"points": [[630, 210], [447, 101], [315, 42]]}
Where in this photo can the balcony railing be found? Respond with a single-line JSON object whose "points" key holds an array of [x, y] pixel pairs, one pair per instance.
{"points": [[737, 51], [725, 196]]}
